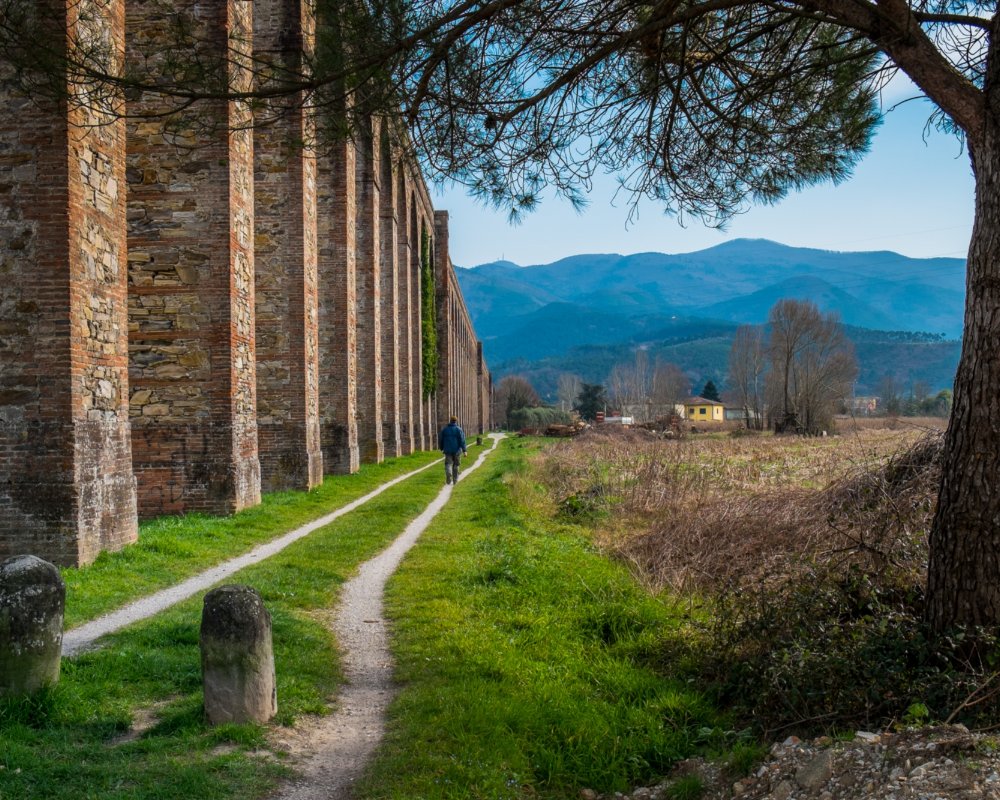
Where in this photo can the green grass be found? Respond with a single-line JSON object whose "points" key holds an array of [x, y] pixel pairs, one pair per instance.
{"points": [[171, 549], [526, 659], [66, 743]]}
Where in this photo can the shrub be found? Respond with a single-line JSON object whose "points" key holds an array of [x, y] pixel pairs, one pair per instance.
{"points": [[825, 650], [537, 418]]}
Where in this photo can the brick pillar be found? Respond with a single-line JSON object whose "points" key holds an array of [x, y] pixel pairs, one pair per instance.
{"points": [[390, 306], [191, 273], [66, 485], [338, 363], [369, 296], [481, 389], [408, 296], [419, 401], [446, 405], [286, 282]]}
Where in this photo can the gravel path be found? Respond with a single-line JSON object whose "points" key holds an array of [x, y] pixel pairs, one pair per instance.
{"points": [[336, 749], [85, 636]]}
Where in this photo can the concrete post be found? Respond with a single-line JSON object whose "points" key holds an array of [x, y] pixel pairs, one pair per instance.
{"points": [[237, 657], [32, 601]]}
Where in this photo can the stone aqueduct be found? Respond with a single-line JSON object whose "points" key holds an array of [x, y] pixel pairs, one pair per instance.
{"points": [[191, 315]]}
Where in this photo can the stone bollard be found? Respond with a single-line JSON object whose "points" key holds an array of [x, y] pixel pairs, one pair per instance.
{"points": [[237, 659], [32, 601]]}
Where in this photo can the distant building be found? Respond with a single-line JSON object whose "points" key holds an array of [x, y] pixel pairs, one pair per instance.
{"points": [[864, 405], [700, 409], [741, 414]]}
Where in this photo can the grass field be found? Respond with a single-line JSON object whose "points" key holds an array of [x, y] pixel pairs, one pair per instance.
{"points": [[75, 741], [171, 549], [526, 659], [533, 659]]}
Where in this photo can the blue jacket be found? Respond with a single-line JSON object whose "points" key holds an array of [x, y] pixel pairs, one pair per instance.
{"points": [[451, 440]]}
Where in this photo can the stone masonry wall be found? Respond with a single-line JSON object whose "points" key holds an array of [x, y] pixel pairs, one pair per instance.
{"points": [[184, 308], [191, 275], [66, 486], [338, 361], [286, 251], [446, 328], [416, 337], [390, 296], [369, 294], [407, 297], [463, 381]]}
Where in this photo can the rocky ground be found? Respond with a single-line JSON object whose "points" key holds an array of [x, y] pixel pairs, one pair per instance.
{"points": [[945, 762]]}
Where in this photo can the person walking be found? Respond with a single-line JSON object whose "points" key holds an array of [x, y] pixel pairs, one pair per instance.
{"points": [[451, 442]]}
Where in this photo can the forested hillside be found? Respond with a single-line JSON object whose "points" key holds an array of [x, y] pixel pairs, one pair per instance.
{"points": [[585, 313]]}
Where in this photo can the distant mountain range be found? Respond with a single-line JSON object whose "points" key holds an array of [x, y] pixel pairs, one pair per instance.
{"points": [[584, 313]]}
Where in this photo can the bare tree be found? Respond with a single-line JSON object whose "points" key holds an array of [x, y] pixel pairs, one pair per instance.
{"points": [[789, 323], [670, 387], [747, 365], [630, 386], [512, 393], [890, 396], [621, 386], [567, 390], [811, 361], [825, 372]]}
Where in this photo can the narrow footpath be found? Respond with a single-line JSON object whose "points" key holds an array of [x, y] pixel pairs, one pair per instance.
{"points": [[86, 636], [336, 749]]}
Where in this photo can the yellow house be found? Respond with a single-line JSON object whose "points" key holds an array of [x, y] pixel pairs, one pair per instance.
{"points": [[698, 409]]}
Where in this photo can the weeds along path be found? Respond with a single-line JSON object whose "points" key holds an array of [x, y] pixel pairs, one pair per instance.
{"points": [[85, 636], [337, 748]]}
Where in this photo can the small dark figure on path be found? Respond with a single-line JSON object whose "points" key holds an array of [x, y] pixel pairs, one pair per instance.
{"points": [[451, 442]]}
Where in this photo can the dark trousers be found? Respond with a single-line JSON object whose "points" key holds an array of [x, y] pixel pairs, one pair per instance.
{"points": [[451, 462]]}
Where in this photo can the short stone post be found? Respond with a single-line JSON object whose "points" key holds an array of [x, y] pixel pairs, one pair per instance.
{"points": [[237, 658], [32, 601]]}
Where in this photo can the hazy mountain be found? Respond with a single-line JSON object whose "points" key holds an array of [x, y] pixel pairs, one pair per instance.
{"points": [[754, 307], [737, 278], [584, 312]]}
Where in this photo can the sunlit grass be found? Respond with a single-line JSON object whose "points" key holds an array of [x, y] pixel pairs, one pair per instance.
{"points": [[173, 548], [72, 743], [526, 659]]}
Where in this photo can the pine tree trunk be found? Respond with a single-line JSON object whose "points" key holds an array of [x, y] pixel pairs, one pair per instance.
{"points": [[963, 579]]}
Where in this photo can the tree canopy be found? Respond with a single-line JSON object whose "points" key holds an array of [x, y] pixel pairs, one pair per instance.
{"points": [[710, 391], [591, 400]]}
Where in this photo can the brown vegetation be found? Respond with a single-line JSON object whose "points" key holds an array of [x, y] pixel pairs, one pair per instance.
{"points": [[806, 559], [704, 513]]}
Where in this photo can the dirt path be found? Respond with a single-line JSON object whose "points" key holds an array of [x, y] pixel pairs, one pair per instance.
{"points": [[334, 750], [85, 636]]}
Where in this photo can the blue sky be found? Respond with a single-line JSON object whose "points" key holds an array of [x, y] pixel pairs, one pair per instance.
{"points": [[913, 193]]}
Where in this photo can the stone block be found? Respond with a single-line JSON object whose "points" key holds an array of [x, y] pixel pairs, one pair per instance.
{"points": [[32, 602], [237, 657]]}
